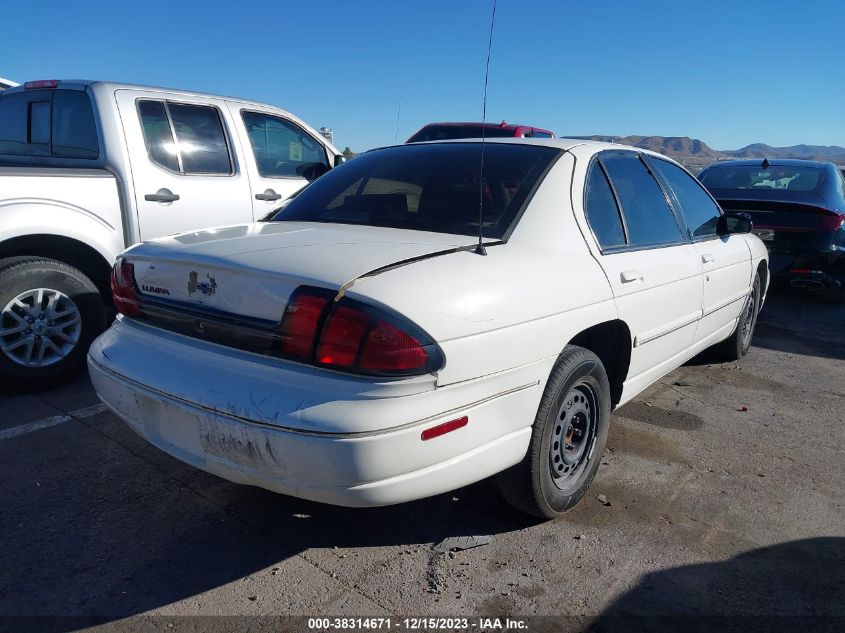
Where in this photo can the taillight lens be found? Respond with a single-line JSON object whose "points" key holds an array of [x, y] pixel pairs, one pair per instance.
{"points": [[832, 221], [342, 336], [123, 288], [389, 348], [299, 325], [351, 336]]}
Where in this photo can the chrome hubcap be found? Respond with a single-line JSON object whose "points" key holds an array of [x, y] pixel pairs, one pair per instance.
{"points": [[39, 327]]}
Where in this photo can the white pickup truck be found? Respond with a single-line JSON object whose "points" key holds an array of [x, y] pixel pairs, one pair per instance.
{"points": [[90, 168]]}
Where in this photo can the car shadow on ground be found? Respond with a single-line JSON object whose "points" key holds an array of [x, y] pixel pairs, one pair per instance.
{"points": [[135, 530], [796, 322], [793, 586]]}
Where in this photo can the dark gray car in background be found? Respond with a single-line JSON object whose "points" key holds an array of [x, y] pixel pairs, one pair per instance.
{"points": [[798, 210]]}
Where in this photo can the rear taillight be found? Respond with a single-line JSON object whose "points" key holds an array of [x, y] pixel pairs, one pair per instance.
{"points": [[348, 335], [342, 337], [299, 325], [123, 288], [831, 221]]}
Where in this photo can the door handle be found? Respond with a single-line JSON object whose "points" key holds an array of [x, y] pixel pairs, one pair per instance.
{"points": [[268, 195], [707, 258], [631, 275], [162, 195]]}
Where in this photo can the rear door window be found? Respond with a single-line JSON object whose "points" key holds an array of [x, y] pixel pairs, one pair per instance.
{"points": [[200, 139], [648, 216], [48, 123], [158, 136], [200, 145], [602, 211], [281, 148]]}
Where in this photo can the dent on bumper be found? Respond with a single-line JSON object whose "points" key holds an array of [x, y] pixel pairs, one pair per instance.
{"points": [[375, 468]]}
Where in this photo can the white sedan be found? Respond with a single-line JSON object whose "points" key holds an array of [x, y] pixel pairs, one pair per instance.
{"points": [[359, 349]]}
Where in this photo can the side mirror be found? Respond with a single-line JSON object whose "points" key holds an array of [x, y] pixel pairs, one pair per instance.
{"points": [[314, 171], [734, 222], [339, 160]]}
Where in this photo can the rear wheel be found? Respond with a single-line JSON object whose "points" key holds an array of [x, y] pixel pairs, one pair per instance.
{"points": [[50, 313], [567, 441], [737, 344], [837, 294]]}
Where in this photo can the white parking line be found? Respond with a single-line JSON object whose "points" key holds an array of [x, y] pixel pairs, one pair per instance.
{"points": [[46, 423]]}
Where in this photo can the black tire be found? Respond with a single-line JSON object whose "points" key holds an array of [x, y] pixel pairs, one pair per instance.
{"points": [[739, 342], [837, 294], [538, 485], [57, 355]]}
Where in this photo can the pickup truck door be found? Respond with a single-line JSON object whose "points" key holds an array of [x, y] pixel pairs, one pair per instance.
{"points": [[186, 172], [653, 269], [282, 155], [725, 259]]}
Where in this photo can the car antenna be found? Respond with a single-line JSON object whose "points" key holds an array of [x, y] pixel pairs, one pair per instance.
{"points": [[480, 250], [765, 164], [398, 114]]}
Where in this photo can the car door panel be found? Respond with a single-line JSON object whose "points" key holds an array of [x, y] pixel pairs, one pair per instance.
{"points": [[168, 198], [661, 308], [725, 259], [280, 154], [653, 271], [726, 267]]}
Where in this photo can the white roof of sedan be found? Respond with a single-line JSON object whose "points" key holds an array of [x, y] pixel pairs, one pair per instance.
{"points": [[561, 143]]}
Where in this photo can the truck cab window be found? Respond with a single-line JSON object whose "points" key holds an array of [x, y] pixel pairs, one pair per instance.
{"points": [[48, 123], [200, 146], [157, 135], [281, 148]]}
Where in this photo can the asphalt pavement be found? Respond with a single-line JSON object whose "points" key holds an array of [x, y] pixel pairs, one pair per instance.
{"points": [[724, 497]]}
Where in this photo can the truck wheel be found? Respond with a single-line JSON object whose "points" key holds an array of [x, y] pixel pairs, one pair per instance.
{"points": [[567, 441], [737, 344], [50, 313]]}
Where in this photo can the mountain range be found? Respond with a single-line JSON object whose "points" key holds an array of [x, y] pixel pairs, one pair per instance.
{"points": [[693, 148]]}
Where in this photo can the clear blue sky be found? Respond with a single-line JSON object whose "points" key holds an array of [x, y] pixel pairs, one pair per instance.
{"points": [[730, 72]]}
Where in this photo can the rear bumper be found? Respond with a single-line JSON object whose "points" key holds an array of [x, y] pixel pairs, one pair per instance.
{"points": [[378, 466], [810, 279]]}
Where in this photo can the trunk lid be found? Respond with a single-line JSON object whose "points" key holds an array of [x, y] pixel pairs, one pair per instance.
{"points": [[251, 270]]}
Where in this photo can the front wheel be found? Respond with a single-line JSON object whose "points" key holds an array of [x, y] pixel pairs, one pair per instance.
{"points": [[567, 441], [50, 313]]}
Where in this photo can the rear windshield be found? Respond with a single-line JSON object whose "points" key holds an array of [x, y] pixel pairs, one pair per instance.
{"points": [[426, 188], [789, 177], [449, 132]]}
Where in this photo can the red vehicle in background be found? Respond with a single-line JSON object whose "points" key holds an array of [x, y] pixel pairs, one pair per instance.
{"points": [[446, 131]]}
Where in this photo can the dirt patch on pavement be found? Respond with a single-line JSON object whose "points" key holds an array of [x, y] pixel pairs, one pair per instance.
{"points": [[664, 418], [659, 449]]}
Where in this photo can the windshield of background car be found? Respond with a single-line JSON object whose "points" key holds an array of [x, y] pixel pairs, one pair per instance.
{"points": [[427, 188], [450, 132], [789, 177]]}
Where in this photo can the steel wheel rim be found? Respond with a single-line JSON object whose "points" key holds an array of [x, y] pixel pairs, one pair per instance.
{"points": [[39, 327], [748, 319], [573, 435]]}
